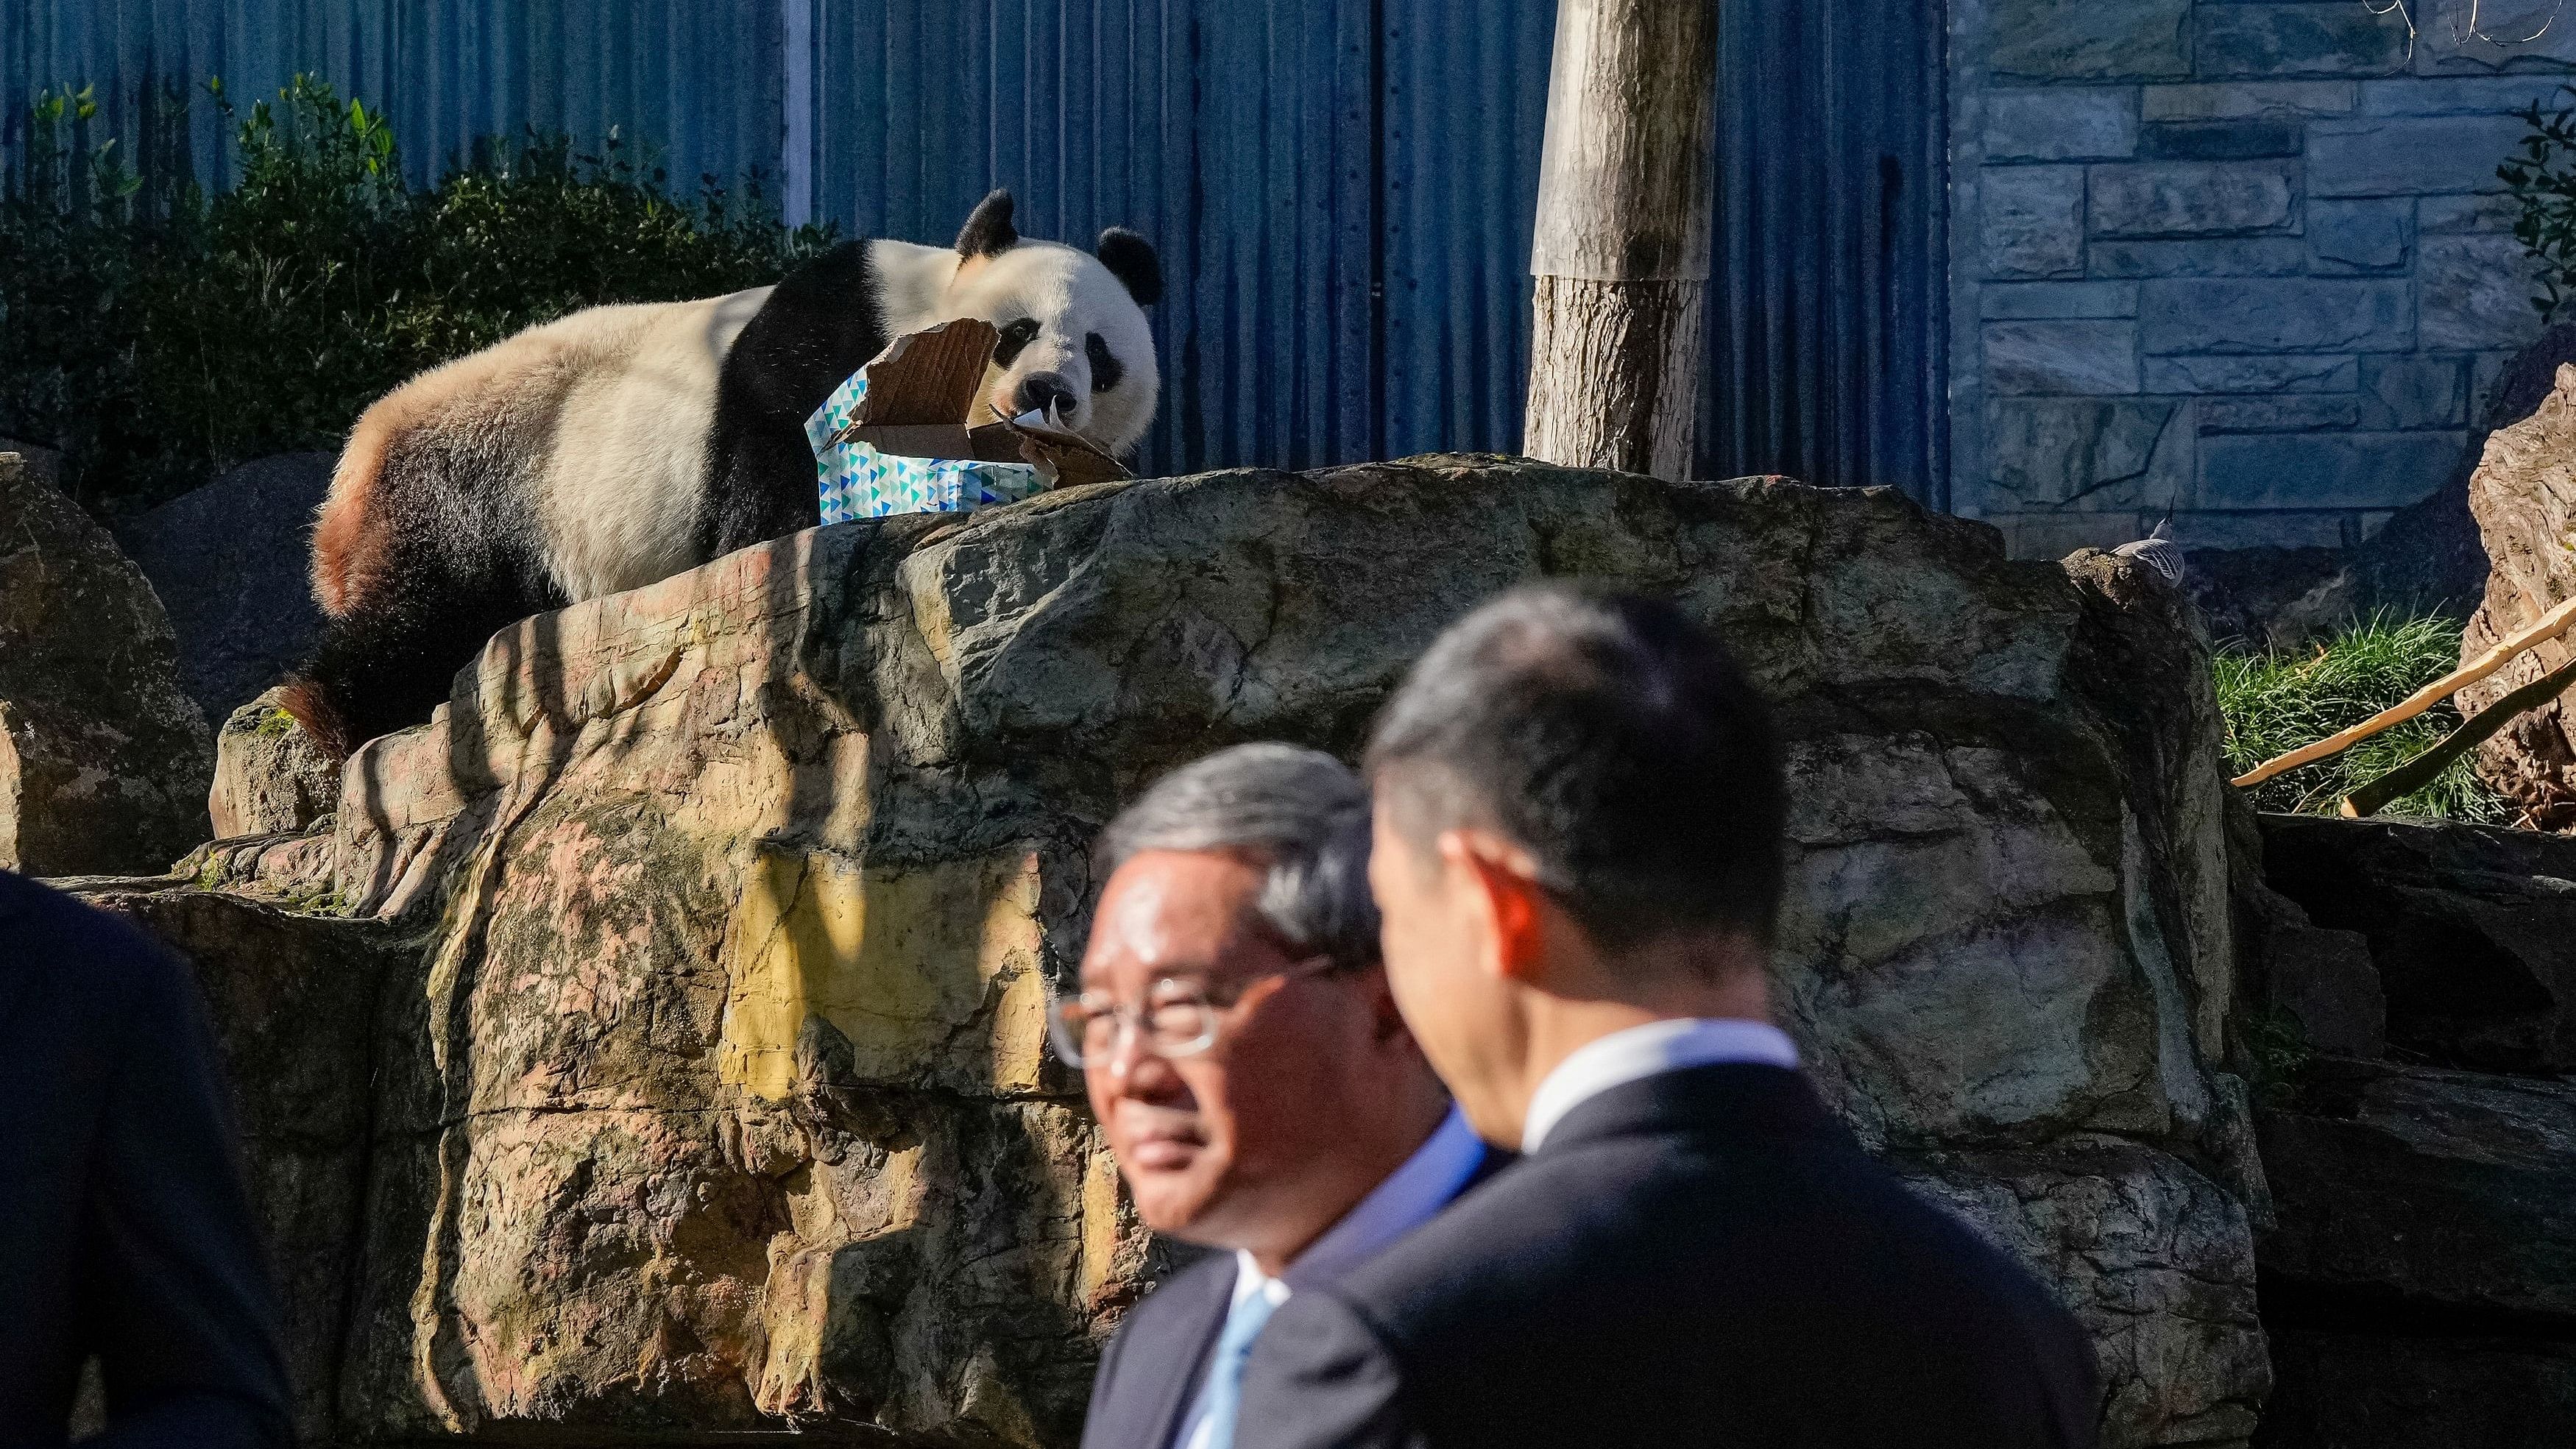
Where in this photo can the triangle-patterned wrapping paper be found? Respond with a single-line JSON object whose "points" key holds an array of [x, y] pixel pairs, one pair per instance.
{"points": [[855, 480]]}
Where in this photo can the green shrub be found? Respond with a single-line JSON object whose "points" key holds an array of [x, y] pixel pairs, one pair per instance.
{"points": [[2276, 701], [157, 334], [2543, 182]]}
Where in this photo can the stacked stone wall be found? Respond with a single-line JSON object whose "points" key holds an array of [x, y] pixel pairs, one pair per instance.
{"points": [[2246, 261]]}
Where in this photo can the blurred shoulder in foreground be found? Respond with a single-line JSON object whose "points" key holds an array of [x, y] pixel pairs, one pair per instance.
{"points": [[130, 1237]]}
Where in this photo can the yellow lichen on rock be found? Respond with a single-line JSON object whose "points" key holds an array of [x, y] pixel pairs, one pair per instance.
{"points": [[929, 970]]}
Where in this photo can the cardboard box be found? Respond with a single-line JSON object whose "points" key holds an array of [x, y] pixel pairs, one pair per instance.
{"points": [[895, 437]]}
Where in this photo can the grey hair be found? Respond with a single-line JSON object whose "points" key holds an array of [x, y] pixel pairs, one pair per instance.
{"points": [[1301, 813]]}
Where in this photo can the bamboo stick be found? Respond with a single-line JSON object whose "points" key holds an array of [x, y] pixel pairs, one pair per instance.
{"points": [[2552, 624], [2418, 772]]}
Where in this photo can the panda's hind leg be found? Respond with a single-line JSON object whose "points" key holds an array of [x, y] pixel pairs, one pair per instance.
{"points": [[392, 659]]}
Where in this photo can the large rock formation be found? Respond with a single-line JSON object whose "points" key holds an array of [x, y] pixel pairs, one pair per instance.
{"points": [[2419, 1269], [710, 1096], [103, 762], [2420, 1280], [229, 561], [2472, 930], [2524, 496]]}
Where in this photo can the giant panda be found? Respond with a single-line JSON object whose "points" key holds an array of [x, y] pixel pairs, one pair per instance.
{"points": [[623, 444]]}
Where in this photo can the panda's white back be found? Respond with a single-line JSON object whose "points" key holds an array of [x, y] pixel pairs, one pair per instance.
{"points": [[624, 482]]}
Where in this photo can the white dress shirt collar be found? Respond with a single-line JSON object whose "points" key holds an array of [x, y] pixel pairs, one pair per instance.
{"points": [[1645, 1051]]}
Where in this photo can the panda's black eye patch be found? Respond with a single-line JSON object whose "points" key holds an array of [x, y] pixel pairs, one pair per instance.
{"points": [[1105, 369], [1015, 336]]}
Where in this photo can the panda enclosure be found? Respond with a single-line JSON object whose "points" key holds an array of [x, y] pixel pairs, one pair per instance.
{"points": [[1342, 190]]}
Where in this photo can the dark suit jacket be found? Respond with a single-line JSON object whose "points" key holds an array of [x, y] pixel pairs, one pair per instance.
{"points": [[1152, 1372], [1703, 1257], [124, 1228]]}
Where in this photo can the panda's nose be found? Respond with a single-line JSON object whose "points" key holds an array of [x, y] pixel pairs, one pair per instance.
{"points": [[1046, 393]]}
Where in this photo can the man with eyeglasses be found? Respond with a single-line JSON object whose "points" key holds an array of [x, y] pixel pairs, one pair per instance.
{"points": [[1249, 1066]]}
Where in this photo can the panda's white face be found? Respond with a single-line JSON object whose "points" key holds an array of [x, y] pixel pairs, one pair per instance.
{"points": [[1072, 335]]}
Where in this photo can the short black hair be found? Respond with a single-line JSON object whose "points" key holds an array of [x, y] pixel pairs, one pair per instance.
{"points": [[1614, 740]]}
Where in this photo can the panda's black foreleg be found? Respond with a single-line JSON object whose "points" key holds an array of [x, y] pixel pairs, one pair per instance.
{"points": [[761, 486]]}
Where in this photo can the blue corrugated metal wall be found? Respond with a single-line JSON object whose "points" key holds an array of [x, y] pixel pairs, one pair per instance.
{"points": [[1828, 313], [1342, 189], [697, 82]]}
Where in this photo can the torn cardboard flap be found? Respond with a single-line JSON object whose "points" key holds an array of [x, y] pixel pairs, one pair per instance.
{"points": [[1066, 459], [927, 378], [918, 400]]}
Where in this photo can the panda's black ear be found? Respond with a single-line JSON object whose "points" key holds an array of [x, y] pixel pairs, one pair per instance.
{"points": [[1130, 258], [988, 231]]}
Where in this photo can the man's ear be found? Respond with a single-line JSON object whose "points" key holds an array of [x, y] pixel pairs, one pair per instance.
{"points": [[1507, 894]]}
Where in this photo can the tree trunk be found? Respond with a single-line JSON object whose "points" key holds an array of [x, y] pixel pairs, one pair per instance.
{"points": [[1621, 255]]}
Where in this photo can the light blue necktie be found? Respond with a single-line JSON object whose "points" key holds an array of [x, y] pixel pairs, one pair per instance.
{"points": [[1223, 1393]]}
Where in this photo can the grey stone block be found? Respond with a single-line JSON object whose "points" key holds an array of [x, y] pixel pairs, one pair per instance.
{"points": [[2292, 373], [2241, 100], [2527, 35], [2049, 452], [2323, 470], [2409, 156], [229, 561], [2004, 301], [2062, 124], [2334, 39], [2088, 40], [2476, 293], [2418, 392], [2034, 221], [2093, 358], [2291, 413], [2055, 535], [2485, 96], [2360, 236], [2225, 528], [2436, 1189], [2219, 140], [2276, 314], [2192, 199], [2224, 257], [2493, 211]]}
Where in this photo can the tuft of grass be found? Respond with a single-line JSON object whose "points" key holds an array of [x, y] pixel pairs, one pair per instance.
{"points": [[2277, 1046], [2278, 700]]}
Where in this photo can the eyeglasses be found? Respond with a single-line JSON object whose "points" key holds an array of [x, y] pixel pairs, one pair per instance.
{"points": [[1178, 1017]]}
